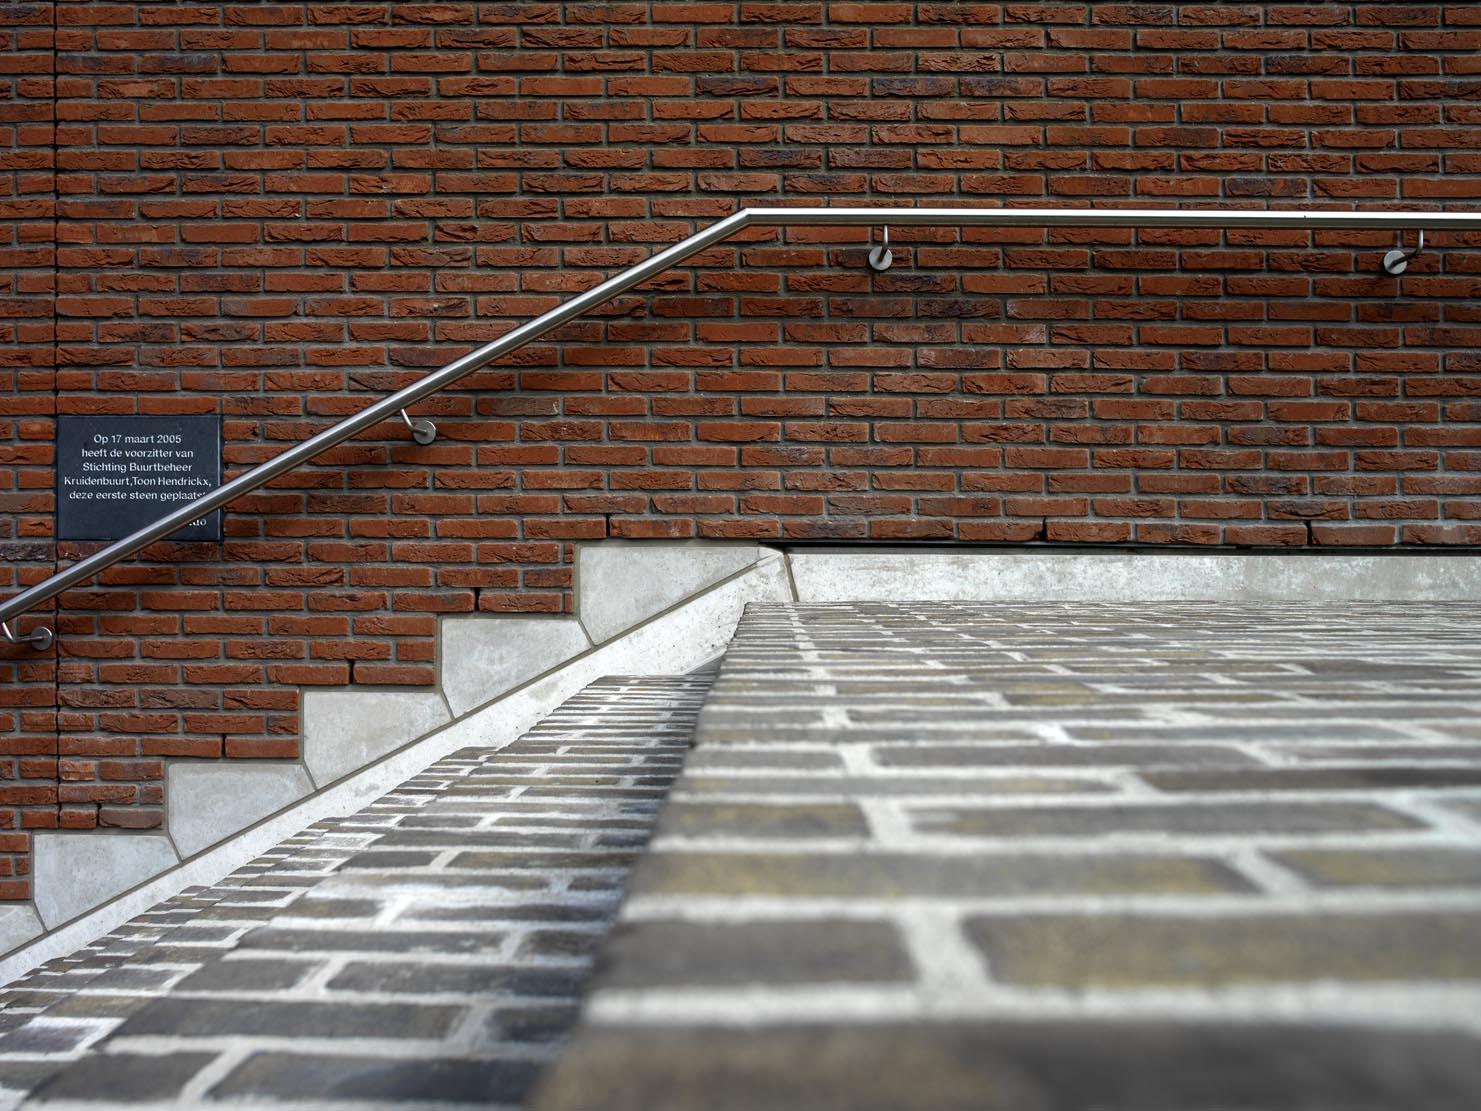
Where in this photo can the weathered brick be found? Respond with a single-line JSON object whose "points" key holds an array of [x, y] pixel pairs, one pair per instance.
{"points": [[1146, 950], [901, 874], [1427, 867], [943, 1066], [1200, 818], [683, 818], [702, 954]]}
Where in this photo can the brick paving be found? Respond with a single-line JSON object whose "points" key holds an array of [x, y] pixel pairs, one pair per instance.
{"points": [[428, 951], [1033, 857]]}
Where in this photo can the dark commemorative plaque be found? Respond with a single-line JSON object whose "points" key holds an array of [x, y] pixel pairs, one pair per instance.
{"points": [[117, 474]]}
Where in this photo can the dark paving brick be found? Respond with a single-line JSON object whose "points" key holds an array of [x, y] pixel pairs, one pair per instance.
{"points": [[123, 1078], [274, 938], [50, 1038], [532, 1024], [289, 1076], [247, 975], [558, 944], [208, 1017], [428, 979], [708, 954], [1039, 1066]]}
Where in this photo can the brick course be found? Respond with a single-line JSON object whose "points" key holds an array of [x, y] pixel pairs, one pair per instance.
{"points": [[276, 212]]}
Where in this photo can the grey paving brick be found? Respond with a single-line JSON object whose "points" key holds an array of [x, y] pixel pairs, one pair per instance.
{"points": [[541, 861], [874, 786], [375, 861], [470, 979], [734, 757], [1055, 756], [532, 1025], [1039, 1066], [1187, 819], [52, 1037], [294, 1077], [25, 1075], [132, 978], [247, 975], [122, 1078], [892, 875], [558, 944], [1234, 732], [1426, 867], [1471, 808], [193, 1018], [685, 818], [1351, 778], [711, 954], [83, 1004], [1124, 951], [448, 942], [312, 906], [502, 912], [481, 838], [1408, 753]]}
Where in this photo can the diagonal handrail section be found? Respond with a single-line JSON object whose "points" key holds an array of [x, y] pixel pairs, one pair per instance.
{"points": [[389, 406]]}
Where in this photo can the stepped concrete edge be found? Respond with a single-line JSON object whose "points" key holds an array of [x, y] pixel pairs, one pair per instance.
{"points": [[351, 757], [347, 746]]}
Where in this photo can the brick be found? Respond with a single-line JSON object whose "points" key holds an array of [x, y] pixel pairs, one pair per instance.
{"points": [[287, 1075], [685, 818], [821, 876], [1200, 818], [1436, 867], [1145, 951], [1314, 779], [126, 1076], [819, 951], [941, 1065]]}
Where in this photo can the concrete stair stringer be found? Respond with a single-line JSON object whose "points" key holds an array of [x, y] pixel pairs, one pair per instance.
{"points": [[499, 674], [360, 743]]}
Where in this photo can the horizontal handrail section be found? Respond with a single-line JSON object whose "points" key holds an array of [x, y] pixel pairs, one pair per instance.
{"points": [[391, 405]]}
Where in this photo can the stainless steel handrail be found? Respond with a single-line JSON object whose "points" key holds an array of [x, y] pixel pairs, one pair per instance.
{"points": [[390, 406]]}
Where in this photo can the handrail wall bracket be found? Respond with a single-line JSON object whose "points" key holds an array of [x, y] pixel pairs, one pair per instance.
{"points": [[423, 431], [880, 257], [387, 408], [1397, 260], [39, 638]]}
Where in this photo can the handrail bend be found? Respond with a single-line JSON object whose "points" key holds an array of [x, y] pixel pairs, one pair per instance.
{"points": [[388, 407]]}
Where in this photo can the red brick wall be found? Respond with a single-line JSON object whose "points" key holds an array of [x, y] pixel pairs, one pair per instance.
{"points": [[277, 212]]}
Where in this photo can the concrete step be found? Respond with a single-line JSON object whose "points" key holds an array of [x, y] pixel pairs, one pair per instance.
{"points": [[428, 950]]}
